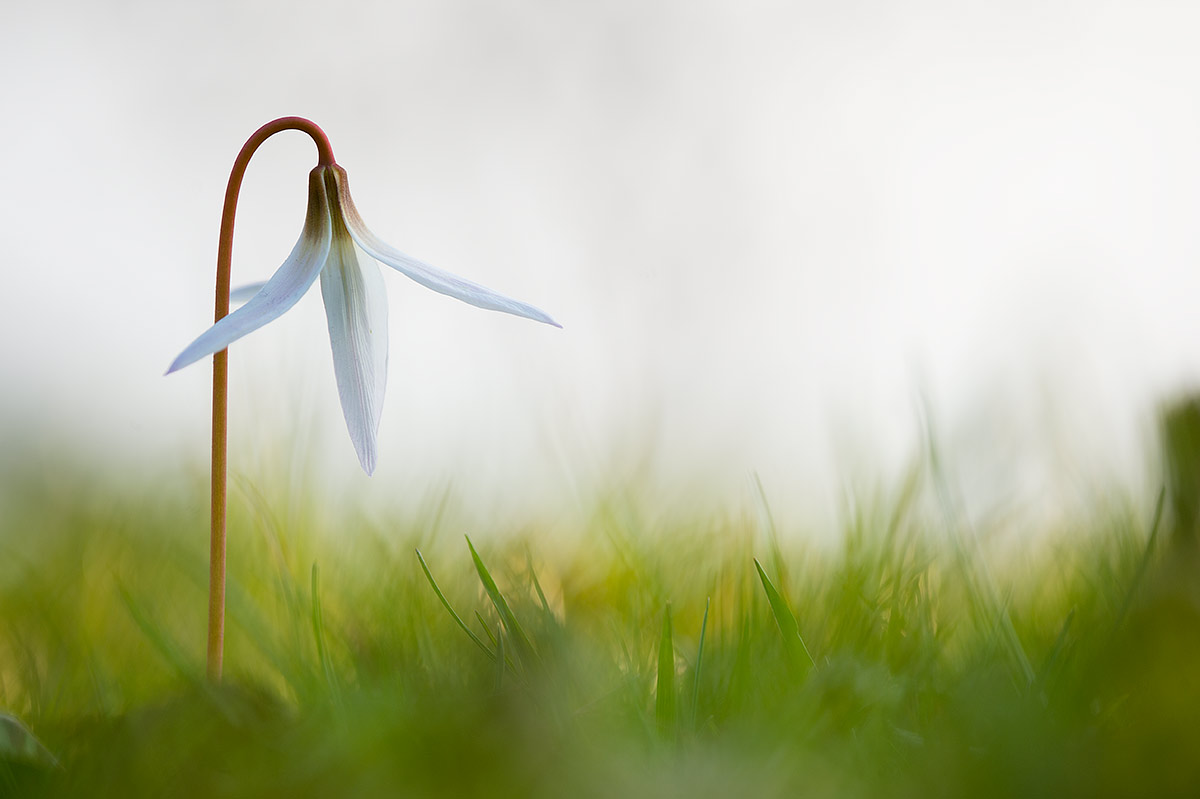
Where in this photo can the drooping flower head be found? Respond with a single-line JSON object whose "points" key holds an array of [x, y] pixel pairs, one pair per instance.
{"points": [[338, 248]]}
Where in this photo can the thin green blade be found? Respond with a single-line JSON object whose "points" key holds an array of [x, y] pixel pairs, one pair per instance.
{"points": [[788, 626], [665, 711], [515, 630], [699, 664], [446, 604], [318, 623]]}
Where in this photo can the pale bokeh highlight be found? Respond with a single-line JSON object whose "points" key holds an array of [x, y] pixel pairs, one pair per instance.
{"points": [[768, 229]]}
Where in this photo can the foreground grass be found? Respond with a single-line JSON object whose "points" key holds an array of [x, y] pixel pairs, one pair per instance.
{"points": [[632, 656]]}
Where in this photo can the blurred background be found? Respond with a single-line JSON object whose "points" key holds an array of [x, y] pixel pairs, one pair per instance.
{"points": [[781, 238]]}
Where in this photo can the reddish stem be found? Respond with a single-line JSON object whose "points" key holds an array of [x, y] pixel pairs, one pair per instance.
{"points": [[216, 584]]}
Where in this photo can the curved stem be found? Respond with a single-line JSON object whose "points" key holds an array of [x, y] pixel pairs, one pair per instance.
{"points": [[216, 574]]}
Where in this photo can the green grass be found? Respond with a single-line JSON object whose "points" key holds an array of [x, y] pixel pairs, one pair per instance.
{"points": [[634, 654]]}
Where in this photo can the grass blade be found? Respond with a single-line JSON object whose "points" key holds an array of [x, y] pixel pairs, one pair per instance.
{"points": [[18, 744], [499, 658], [699, 664], [1051, 659], [1144, 564], [318, 623], [515, 630], [772, 530], [487, 630], [788, 627], [537, 586], [665, 712], [497, 642], [446, 604]]}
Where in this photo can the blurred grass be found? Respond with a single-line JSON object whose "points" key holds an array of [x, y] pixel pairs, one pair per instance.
{"points": [[921, 657]]}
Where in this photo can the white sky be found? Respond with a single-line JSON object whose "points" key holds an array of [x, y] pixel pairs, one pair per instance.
{"points": [[768, 228]]}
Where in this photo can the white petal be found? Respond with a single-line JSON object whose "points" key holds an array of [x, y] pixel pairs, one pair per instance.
{"points": [[244, 293], [428, 276], [283, 290], [356, 308]]}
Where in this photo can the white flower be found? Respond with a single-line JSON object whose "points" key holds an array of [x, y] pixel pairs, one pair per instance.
{"points": [[337, 247]]}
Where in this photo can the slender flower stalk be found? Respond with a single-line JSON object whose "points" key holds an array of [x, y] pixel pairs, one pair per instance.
{"points": [[336, 247]]}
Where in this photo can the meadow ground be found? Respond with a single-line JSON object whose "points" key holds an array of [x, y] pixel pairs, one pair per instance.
{"points": [[641, 654]]}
